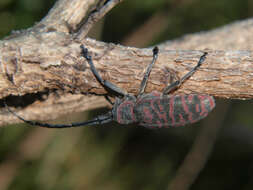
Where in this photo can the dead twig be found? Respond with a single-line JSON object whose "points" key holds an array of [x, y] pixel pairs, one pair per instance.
{"points": [[95, 16]]}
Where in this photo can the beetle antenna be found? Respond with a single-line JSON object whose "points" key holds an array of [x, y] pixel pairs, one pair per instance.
{"points": [[101, 119]]}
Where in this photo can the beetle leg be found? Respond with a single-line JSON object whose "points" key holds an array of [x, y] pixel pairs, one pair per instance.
{"points": [[108, 85], [146, 75], [108, 99], [177, 83]]}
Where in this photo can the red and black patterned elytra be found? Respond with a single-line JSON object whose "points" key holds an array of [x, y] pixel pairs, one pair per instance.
{"points": [[155, 110]]}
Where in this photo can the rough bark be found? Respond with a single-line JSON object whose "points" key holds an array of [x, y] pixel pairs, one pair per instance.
{"points": [[45, 60]]}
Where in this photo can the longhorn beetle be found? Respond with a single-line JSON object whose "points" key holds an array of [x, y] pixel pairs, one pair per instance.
{"points": [[153, 110]]}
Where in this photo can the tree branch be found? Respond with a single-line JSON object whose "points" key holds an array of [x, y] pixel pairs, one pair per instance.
{"points": [[234, 36], [94, 17], [65, 15], [43, 59]]}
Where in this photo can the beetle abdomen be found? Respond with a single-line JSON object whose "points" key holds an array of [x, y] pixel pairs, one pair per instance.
{"points": [[176, 110]]}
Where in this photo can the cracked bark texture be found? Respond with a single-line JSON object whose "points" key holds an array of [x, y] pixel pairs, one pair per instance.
{"points": [[46, 59]]}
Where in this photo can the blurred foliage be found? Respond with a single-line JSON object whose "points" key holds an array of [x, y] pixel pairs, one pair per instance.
{"points": [[119, 157], [21, 14]]}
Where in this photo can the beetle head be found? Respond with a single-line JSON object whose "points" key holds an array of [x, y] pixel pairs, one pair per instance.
{"points": [[123, 110]]}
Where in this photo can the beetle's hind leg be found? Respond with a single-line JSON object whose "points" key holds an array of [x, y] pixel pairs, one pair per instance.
{"points": [[177, 83]]}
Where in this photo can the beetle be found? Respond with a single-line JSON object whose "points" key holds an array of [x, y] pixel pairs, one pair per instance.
{"points": [[152, 110]]}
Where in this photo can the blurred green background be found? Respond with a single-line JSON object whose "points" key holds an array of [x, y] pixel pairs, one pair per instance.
{"points": [[216, 153]]}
